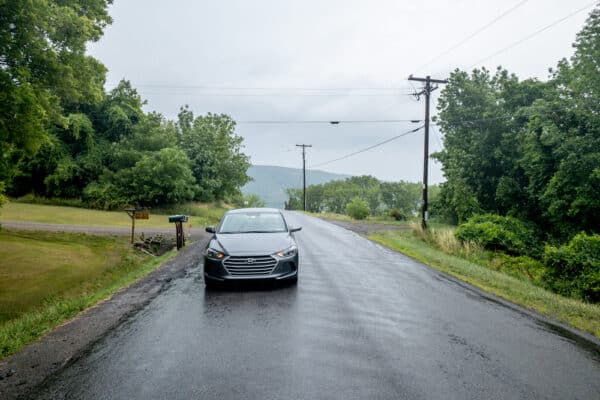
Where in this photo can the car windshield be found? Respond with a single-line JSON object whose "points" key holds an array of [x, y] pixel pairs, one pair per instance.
{"points": [[255, 222]]}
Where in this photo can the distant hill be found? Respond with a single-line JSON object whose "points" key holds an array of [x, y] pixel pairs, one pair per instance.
{"points": [[270, 182]]}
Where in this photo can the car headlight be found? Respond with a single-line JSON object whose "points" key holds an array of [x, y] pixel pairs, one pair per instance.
{"points": [[289, 252], [215, 254]]}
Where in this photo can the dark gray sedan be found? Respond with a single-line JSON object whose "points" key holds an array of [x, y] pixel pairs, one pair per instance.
{"points": [[251, 244]]}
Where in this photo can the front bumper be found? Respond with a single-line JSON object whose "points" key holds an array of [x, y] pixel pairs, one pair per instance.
{"points": [[215, 270]]}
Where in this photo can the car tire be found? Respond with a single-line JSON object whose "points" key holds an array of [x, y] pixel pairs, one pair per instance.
{"points": [[210, 284]]}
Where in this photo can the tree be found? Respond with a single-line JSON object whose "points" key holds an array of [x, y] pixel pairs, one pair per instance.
{"points": [[161, 177], [218, 163], [44, 69], [526, 148], [357, 208]]}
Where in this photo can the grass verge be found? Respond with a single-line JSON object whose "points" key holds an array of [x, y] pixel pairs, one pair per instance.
{"points": [[47, 278], [373, 219], [581, 315], [201, 215]]}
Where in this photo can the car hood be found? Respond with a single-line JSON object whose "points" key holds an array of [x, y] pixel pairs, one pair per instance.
{"points": [[249, 244]]}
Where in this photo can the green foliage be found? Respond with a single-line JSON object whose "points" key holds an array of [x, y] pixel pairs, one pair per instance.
{"points": [[573, 269], [519, 266], [380, 197], [398, 215], [495, 232], [44, 70], [357, 208], [215, 151], [526, 148], [162, 177]]}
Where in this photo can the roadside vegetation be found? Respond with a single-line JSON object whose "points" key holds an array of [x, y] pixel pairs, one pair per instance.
{"points": [[47, 278], [375, 219], [522, 163], [517, 279]]}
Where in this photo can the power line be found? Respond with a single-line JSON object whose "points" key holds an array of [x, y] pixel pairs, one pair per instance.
{"points": [[472, 35], [530, 36], [272, 88], [367, 148], [277, 94], [331, 122]]}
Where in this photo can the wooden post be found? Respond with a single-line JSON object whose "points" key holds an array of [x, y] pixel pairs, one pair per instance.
{"points": [[132, 226]]}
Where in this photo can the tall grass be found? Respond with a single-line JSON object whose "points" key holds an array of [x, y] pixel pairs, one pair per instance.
{"points": [[445, 240]]}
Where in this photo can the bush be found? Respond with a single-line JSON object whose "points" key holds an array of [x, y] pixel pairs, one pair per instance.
{"points": [[520, 266], [398, 215], [495, 232], [574, 269], [357, 208]]}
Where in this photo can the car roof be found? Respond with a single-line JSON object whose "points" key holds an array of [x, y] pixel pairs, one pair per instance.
{"points": [[253, 210]]}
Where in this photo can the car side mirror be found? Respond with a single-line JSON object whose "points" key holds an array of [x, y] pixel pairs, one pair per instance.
{"points": [[296, 229], [211, 229]]}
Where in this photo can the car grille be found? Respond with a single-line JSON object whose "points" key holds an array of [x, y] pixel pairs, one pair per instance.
{"points": [[250, 265]]}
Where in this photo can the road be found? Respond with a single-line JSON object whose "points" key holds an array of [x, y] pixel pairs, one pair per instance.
{"points": [[363, 323]]}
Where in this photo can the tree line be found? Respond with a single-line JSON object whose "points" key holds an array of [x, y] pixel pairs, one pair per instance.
{"points": [[402, 199], [62, 135], [522, 165], [526, 148]]}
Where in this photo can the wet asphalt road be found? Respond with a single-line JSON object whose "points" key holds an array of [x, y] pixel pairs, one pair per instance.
{"points": [[363, 323]]}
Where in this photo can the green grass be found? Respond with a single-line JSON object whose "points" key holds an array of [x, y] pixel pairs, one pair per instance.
{"points": [[47, 278], [581, 315], [202, 215], [372, 219]]}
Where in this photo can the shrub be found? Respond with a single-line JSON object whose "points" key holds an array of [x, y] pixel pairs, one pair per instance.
{"points": [[574, 269], [398, 215], [496, 232], [520, 266], [357, 208]]}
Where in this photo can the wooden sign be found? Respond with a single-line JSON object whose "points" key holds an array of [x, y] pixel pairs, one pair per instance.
{"points": [[142, 214]]}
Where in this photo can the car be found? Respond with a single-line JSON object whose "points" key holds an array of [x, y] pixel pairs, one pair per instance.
{"points": [[251, 244]]}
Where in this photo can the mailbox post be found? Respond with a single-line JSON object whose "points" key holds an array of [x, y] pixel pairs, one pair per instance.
{"points": [[136, 213], [178, 220]]}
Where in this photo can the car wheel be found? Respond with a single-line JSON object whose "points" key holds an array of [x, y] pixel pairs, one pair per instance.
{"points": [[210, 284]]}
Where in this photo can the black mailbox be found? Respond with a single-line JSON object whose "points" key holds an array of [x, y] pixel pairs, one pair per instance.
{"points": [[178, 218]]}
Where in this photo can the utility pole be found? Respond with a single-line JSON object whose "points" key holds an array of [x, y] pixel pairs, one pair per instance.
{"points": [[427, 92], [304, 146]]}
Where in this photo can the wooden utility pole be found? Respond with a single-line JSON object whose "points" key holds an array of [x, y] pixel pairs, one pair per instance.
{"points": [[427, 92], [304, 146]]}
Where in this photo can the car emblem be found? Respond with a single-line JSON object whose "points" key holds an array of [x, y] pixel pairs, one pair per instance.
{"points": [[250, 261]]}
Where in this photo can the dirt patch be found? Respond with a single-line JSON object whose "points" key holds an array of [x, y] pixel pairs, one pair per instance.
{"points": [[37, 362]]}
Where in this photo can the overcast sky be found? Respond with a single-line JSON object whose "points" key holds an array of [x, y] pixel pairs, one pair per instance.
{"points": [[309, 60]]}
